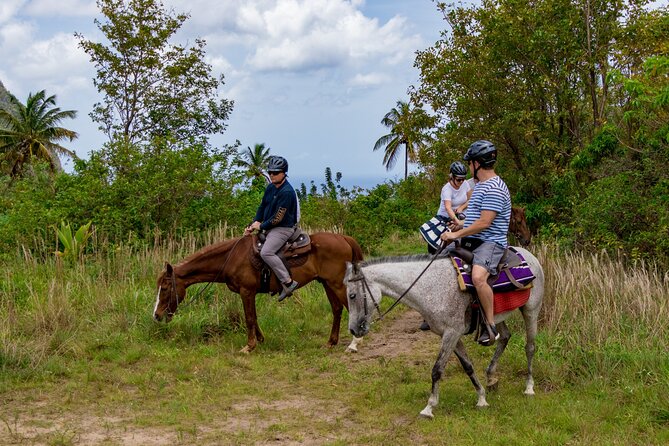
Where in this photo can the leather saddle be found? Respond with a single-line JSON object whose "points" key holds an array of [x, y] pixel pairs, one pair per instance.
{"points": [[294, 252], [509, 260]]}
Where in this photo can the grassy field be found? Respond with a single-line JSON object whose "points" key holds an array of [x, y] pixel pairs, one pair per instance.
{"points": [[82, 362]]}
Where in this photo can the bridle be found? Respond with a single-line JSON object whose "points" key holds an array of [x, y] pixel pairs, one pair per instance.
{"points": [[365, 289], [201, 291]]}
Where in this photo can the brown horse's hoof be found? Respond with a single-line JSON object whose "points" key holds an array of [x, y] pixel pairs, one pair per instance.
{"points": [[247, 349]]}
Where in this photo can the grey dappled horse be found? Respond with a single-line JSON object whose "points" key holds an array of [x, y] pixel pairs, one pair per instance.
{"points": [[437, 297]]}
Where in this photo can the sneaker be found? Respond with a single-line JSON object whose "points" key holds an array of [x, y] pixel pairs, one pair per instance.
{"points": [[485, 338], [288, 290], [425, 326]]}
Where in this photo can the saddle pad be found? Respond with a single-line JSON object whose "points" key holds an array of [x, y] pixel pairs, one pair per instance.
{"points": [[432, 229], [510, 300], [521, 273]]}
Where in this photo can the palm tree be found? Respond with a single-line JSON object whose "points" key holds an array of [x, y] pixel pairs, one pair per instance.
{"points": [[31, 131], [255, 160], [407, 128]]}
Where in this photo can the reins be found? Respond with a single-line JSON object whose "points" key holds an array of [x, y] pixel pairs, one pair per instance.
{"points": [[202, 290], [364, 281]]}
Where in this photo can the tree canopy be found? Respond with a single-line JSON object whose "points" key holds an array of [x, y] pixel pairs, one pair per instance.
{"points": [[152, 88], [408, 129]]}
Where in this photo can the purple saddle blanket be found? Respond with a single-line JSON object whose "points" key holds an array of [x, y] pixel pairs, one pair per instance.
{"points": [[508, 279]]}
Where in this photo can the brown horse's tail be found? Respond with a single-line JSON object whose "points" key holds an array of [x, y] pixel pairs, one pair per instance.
{"points": [[355, 247]]}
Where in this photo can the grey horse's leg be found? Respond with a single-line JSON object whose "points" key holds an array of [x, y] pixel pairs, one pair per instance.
{"points": [[530, 317], [468, 367], [502, 342], [448, 341]]}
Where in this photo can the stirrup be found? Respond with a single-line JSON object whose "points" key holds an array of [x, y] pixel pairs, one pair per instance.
{"points": [[288, 290], [489, 336]]}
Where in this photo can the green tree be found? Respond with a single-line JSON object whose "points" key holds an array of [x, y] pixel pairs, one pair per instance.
{"points": [[531, 76], [255, 161], [408, 126], [152, 88], [32, 131]]}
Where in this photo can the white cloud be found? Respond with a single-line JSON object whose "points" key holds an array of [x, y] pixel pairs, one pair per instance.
{"points": [[49, 61], [369, 79], [66, 8], [297, 35], [13, 38], [9, 8]]}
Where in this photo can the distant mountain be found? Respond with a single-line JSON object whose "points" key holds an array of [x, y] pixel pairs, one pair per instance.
{"points": [[4, 95]]}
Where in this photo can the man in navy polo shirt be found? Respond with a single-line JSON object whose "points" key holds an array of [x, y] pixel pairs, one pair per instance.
{"points": [[277, 215]]}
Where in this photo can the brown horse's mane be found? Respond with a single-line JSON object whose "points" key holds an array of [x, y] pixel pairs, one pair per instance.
{"points": [[217, 248]]}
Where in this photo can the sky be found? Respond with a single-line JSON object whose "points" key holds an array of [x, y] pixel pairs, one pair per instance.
{"points": [[311, 79]]}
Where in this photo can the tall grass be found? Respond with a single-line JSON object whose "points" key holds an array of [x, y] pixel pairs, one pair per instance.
{"points": [[597, 300]]}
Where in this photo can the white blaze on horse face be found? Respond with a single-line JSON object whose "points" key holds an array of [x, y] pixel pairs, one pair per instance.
{"points": [[155, 308]]}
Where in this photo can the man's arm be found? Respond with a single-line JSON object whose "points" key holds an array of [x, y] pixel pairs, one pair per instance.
{"points": [[479, 225]]}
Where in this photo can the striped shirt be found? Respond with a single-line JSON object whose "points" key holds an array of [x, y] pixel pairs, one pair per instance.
{"points": [[491, 195]]}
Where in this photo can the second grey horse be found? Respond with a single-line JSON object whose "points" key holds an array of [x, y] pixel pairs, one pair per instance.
{"points": [[437, 297]]}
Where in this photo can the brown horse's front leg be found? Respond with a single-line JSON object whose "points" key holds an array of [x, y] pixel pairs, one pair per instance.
{"points": [[252, 329], [337, 297]]}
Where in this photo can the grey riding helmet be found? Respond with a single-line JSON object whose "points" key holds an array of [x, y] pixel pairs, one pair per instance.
{"points": [[277, 164], [458, 170], [482, 151]]}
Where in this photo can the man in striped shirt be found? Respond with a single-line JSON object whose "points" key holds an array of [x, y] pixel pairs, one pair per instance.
{"points": [[485, 228]]}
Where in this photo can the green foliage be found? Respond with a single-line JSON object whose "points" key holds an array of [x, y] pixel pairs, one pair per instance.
{"points": [[31, 132], [73, 244], [604, 145], [27, 212], [127, 190], [389, 209]]}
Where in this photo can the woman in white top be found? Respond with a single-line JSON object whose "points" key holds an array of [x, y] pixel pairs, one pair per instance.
{"points": [[454, 194], [454, 198]]}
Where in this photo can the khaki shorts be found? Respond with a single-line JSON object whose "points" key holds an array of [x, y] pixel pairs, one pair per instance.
{"points": [[488, 255]]}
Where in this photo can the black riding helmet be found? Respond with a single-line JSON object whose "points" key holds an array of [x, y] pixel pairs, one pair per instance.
{"points": [[277, 164], [458, 169], [482, 151]]}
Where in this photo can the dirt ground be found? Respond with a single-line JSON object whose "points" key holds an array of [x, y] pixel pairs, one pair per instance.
{"points": [[36, 423]]}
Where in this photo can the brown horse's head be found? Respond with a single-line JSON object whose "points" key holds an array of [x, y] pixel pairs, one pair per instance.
{"points": [[171, 291], [518, 226]]}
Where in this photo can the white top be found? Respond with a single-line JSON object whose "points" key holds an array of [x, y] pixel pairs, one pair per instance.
{"points": [[455, 196]]}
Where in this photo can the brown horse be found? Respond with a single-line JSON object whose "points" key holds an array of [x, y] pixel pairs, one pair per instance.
{"points": [[518, 226], [229, 262]]}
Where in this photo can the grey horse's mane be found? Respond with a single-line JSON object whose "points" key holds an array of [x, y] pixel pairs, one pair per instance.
{"points": [[400, 259]]}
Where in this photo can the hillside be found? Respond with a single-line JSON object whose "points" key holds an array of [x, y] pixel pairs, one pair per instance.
{"points": [[4, 95]]}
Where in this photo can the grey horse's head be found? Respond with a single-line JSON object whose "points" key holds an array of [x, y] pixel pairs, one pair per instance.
{"points": [[360, 300]]}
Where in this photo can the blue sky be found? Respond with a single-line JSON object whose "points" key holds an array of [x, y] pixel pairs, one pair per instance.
{"points": [[311, 79]]}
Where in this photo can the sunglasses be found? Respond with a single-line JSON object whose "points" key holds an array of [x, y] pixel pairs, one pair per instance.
{"points": [[458, 180], [275, 173]]}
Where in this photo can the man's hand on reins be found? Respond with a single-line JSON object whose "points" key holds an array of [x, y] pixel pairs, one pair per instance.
{"points": [[255, 226]]}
